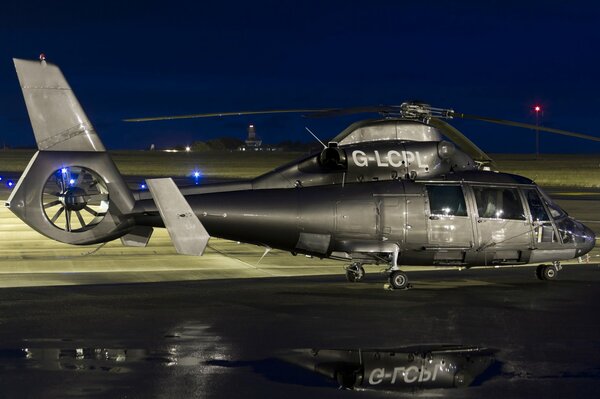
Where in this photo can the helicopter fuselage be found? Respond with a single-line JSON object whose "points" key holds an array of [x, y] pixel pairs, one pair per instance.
{"points": [[462, 219]]}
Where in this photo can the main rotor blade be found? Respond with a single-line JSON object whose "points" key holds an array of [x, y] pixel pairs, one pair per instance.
{"points": [[220, 114], [461, 141], [524, 125], [332, 112]]}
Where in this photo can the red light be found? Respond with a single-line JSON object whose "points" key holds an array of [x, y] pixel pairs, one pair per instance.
{"points": [[537, 108], [42, 57]]}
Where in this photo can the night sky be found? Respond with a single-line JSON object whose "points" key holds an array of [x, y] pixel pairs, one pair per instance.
{"points": [[132, 59]]}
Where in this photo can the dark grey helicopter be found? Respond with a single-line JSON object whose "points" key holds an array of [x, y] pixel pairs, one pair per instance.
{"points": [[392, 191]]}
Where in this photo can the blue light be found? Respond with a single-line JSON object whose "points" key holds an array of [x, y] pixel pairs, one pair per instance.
{"points": [[10, 184], [64, 171], [142, 186], [0, 178], [72, 181], [196, 175]]}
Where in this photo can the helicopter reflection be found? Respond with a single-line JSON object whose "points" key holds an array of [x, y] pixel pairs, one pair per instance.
{"points": [[409, 368]]}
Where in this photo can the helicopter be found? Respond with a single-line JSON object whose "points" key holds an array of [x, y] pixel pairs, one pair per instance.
{"points": [[391, 191]]}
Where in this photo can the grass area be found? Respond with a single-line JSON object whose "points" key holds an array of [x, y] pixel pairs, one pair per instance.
{"points": [[220, 164], [568, 170], [550, 170]]}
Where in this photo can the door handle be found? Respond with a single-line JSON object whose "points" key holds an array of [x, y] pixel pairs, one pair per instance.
{"points": [[433, 217], [479, 220]]}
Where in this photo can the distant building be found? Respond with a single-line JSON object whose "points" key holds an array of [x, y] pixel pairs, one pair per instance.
{"points": [[253, 142]]}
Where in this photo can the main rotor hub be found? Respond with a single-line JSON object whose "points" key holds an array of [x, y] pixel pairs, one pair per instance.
{"points": [[423, 112]]}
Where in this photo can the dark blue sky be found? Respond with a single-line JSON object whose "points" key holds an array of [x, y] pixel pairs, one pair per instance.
{"points": [[128, 59]]}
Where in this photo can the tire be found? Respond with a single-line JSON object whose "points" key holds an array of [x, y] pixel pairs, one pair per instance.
{"points": [[354, 273], [351, 276], [538, 272], [398, 280], [549, 273], [546, 272]]}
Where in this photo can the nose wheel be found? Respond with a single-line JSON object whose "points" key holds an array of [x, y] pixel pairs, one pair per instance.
{"points": [[548, 272]]}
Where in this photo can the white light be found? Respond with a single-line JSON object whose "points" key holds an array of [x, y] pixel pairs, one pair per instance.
{"points": [[63, 170], [196, 174], [187, 149], [72, 181]]}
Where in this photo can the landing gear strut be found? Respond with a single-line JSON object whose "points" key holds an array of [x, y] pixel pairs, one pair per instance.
{"points": [[355, 272], [548, 272], [398, 279]]}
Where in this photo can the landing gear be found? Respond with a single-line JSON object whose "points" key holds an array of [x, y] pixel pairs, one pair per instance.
{"points": [[548, 272], [398, 280], [355, 272]]}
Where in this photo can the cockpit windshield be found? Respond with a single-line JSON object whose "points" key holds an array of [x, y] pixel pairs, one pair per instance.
{"points": [[555, 210], [569, 230]]}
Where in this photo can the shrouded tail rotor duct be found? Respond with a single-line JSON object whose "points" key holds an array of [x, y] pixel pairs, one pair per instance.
{"points": [[74, 197]]}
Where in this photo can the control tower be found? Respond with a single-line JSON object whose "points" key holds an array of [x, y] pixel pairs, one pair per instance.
{"points": [[252, 141]]}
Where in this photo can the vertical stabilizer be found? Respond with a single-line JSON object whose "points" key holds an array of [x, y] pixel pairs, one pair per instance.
{"points": [[59, 123]]}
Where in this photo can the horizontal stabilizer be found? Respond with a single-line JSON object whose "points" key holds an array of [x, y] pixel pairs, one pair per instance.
{"points": [[187, 232]]}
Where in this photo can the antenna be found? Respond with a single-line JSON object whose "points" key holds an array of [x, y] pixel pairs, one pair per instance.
{"points": [[315, 136]]}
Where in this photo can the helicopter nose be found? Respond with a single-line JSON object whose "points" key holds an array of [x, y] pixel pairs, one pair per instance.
{"points": [[589, 240]]}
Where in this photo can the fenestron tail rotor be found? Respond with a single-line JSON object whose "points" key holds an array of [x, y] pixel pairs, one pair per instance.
{"points": [[75, 199]]}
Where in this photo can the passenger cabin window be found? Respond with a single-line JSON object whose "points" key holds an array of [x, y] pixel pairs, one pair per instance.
{"points": [[498, 203], [446, 201], [536, 206]]}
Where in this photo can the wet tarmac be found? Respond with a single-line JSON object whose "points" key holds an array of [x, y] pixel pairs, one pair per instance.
{"points": [[219, 339]]}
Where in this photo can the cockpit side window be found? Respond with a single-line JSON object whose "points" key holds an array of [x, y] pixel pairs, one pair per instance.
{"points": [[498, 203], [446, 200], [536, 206]]}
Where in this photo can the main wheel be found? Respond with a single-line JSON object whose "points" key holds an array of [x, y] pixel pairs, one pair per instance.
{"points": [[355, 272], [546, 272], [398, 280]]}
